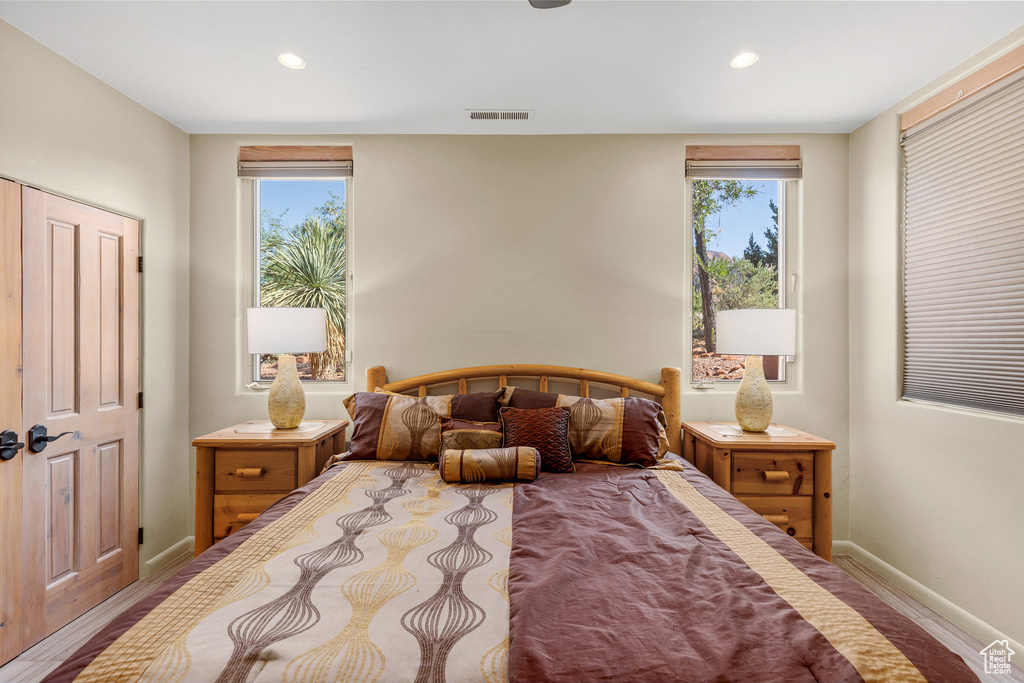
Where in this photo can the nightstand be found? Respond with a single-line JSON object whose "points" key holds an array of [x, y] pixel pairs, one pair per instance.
{"points": [[244, 469], [786, 478]]}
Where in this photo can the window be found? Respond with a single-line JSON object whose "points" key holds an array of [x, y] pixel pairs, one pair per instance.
{"points": [[301, 239], [963, 253], [737, 216]]}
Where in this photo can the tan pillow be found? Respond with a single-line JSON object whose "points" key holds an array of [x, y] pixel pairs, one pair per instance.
{"points": [[395, 427], [459, 435], [623, 430], [492, 464]]}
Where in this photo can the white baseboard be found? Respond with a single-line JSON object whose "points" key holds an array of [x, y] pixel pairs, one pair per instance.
{"points": [[158, 562], [956, 614]]}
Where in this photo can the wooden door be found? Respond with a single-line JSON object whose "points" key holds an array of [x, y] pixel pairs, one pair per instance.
{"points": [[80, 319], [10, 419]]}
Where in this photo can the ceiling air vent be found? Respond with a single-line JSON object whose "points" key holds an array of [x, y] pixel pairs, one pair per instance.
{"points": [[500, 114]]}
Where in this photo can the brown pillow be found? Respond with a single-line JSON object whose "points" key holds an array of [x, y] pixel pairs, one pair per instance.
{"points": [[459, 435], [395, 427], [478, 407], [627, 430], [491, 464], [546, 429], [517, 397]]}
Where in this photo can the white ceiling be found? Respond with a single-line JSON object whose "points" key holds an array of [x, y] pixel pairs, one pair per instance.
{"points": [[625, 66]]}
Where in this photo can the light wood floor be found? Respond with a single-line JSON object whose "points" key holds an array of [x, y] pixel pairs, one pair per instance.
{"points": [[945, 631], [34, 664]]}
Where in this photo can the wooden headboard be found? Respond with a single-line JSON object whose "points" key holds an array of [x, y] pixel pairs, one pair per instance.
{"points": [[666, 392]]}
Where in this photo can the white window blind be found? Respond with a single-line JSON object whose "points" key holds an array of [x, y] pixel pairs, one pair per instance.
{"points": [[294, 169], [744, 170], [963, 255]]}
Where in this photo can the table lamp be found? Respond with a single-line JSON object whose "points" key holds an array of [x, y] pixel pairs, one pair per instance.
{"points": [[755, 332], [285, 331]]}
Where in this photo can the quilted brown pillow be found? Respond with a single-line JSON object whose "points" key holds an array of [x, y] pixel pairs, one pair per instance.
{"points": [[546, 429], [491, 464], [463, 434]]}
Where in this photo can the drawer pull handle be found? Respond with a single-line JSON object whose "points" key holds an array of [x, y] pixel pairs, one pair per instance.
{"points": [[249, 472], [779, 520], [775, 476], [246, 517]]}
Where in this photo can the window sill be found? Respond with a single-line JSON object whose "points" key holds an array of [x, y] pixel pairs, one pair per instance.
{"points": [[310, 387]]}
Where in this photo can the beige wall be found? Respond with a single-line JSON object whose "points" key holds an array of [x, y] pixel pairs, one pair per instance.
{"points": [[569, 250], [565, 249], [65, 131], [935, 492]]}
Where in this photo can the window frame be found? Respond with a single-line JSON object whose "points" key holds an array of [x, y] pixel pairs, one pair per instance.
{"points": [[788, 196], [254, 298]]}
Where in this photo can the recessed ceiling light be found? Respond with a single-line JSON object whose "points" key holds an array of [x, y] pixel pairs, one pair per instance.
{"points": [[743, 60], [291, 61]]}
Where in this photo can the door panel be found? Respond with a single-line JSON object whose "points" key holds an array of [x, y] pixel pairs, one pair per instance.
{"points": [[110, 320], [61, 522], [81, 375], [62, 369], [10, 418], [110, 485]]}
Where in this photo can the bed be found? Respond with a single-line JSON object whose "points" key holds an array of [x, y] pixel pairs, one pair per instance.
{"points": [[379, 570]]}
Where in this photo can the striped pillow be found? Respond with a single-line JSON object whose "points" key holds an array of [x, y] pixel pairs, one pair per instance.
{"points": [[628, 431], [395, 427], [491, 464]]}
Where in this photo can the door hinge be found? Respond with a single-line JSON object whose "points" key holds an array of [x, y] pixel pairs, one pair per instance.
{"points": [[140, 400], [140, 535], [140, 264]]}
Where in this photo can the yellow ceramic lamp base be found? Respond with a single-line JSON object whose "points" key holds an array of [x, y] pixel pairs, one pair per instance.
{"points": [[753, 398], [287, 402]]}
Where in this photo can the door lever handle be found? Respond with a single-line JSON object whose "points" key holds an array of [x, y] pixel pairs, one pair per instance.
{"points": [[37, 438], [9, 444]]}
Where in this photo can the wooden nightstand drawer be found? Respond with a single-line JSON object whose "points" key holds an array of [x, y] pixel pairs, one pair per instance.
{"points": [[783, 474], [791, 514], [233, 511], [243, 470], [766, 473], [254, 470]]}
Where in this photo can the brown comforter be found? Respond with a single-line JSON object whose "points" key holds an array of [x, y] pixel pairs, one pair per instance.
{"points": [[379, 571]]}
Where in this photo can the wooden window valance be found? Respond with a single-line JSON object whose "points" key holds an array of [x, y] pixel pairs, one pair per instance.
{"points": [[966, 87], [292, 161], [743, 162]]}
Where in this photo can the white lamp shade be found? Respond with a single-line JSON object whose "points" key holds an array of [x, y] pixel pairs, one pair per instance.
{"points": [[756, 332], [287, 330]]}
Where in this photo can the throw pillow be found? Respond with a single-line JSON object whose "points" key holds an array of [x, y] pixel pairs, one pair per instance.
{"points": [[492, 464], [546, 429]]}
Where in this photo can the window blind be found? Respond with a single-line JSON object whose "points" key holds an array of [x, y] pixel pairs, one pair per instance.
{"points": [[743, 162], [285, 161], [963, 255]]}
